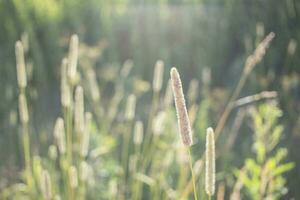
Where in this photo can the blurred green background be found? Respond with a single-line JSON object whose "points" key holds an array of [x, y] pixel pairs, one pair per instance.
{"points": [[191, 35]]}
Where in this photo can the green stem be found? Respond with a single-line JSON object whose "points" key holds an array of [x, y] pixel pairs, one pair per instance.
{"points": [[26, 146], [192, 172]]}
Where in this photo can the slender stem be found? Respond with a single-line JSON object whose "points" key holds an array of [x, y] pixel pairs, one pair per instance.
{"points": [[26, 146], [192, 172]]}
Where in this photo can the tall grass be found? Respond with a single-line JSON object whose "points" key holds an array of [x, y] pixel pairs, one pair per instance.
{"points": [[107, 150]]}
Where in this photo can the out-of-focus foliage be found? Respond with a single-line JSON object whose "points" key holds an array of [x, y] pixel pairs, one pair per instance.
{"points": [[262, 176]]}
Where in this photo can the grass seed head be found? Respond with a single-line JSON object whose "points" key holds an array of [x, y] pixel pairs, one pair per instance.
{"points": [[158, 76], [20, 63], [182, 115], [210, 162], [45, 184]]}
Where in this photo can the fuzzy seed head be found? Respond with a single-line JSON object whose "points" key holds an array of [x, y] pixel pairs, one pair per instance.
{"points": [[20, 62], [84, 171], [59, 135], [94, 89], [23, 110], [64, 85], [84, 148], [158, 124], [52, 152], [45, 184], [210, 162], [130, 107], [182, 115], [79, 110], [168, 99], [138, 133], [73, 177], [158, 76], [73, 57]]}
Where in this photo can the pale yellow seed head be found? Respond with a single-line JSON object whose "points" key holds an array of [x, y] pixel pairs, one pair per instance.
{"points": [[130, 107], [73, 177], [158, 76], [20, 63], [84, 145], [64, 85], [79, 110], [73, 58], [45, 184], [210, 162], [182, 115], [59, 135], [84, 171], [23, 110], [138, 133], [93, 84]]}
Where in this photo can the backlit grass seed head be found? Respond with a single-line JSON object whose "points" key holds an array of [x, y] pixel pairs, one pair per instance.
{"points": [[84, 171], [158, 76], [73, 177], [94, 89], [127, 66], [158, 124], [259, 53], [138, 133], [59, 135], [79, 110], [84, 147], [210, 162], [193, 90], [23, 110], [64, 85], [20, 63], [72, 58], [52, 152], [130, 107], [168, 99], [45, 184], [182, 115]]}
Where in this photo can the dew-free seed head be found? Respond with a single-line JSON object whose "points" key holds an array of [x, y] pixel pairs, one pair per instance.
{"points": [[73, 58], [73, 177], [20, 63], [182, 115], [138, 133], [158, 76], [64, 85], [59, 135], [45, 184], [84, 147], [79, 110], [210, 162], [130, 107]]}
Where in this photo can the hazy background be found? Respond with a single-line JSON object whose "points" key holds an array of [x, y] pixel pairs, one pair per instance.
{"points": [[191, 35]]}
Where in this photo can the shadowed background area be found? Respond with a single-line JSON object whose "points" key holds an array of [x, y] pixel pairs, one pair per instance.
{"points": [[206, 40]]}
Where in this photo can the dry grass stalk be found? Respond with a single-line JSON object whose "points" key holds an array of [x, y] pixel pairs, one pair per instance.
{"points": [[210, 162], [182, 115]]}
